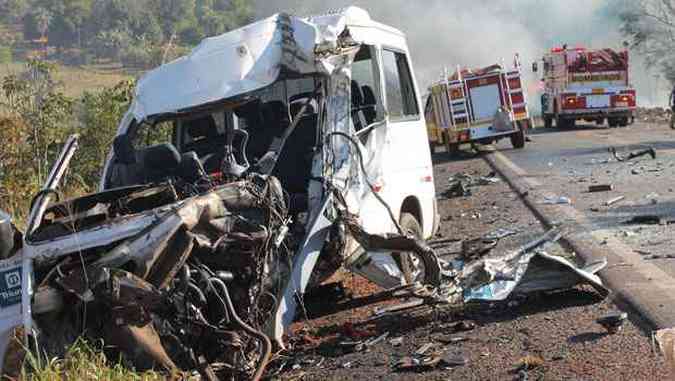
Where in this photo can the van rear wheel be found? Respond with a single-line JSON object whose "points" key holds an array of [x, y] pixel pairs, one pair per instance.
{"points": [[411, 265]]}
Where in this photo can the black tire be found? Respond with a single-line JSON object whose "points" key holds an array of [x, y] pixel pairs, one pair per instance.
{"points": [[453, 149], [623, 122], [612, 123], [411, 226], [518, 138], [548, 122], [600, 121]]}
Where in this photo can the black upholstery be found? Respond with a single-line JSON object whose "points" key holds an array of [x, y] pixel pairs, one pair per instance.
{"points": [[126, 168], [205, 136], [125, 153], [160, 162], [357, 95], [369, 104], [275, 113], [191, 169]]}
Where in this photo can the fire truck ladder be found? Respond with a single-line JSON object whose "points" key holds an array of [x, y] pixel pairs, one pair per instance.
{"points": [[509, 92], [459, 108]]}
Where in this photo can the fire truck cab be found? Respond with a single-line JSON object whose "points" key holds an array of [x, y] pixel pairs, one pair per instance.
{"points": [[478, 106], [584, 84]]}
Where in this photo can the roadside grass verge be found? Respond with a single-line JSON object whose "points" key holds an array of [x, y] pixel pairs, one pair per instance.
{"points": [[83, 361]]}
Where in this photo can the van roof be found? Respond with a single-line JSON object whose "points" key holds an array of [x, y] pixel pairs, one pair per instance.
{"points": [[251, 57]]}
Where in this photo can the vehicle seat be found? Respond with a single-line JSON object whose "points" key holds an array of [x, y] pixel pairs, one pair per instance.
{"points": [[160, 162], [369, 107], [191, 169], [127, 169], [294, 165]]}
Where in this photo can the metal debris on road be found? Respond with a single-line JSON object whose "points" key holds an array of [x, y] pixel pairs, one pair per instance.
{"points": [[613, 322], [614, 200], [600, 188], [557, 200], [500, 233], [460, 184], [649, 151]]}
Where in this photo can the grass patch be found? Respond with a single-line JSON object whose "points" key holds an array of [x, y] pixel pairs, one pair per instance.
{"points": [[76, 80], [82, 362]]}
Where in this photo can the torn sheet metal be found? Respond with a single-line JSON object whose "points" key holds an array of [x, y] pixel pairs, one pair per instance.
{"points": [[529, 272]]}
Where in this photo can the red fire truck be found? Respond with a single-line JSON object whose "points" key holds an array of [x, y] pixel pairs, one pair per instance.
{"points": [[592, 85], [480, 105]]}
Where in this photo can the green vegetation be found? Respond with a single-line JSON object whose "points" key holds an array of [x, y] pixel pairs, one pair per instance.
{"points": [[35, 118], [138, 33], [82, 362]]}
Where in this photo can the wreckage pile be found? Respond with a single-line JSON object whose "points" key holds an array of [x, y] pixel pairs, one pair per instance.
{"points": [[653, 115]]}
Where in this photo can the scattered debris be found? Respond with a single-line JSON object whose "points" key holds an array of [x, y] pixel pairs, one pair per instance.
{"points": [[613, 322], [460, 184], [614, 200], [464, 326], [529, 362], [493, 279], [500, 233], [450, 339], [477, 247], [556, 200], [396, 341], [452, 360], [600, 188], [423, 349], [649, 151]]}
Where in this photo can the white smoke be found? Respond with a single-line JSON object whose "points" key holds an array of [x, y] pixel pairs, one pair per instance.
{"points": [[475, 33]]}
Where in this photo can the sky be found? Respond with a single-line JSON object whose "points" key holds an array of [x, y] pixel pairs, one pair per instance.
{"points": [[475, 33]]}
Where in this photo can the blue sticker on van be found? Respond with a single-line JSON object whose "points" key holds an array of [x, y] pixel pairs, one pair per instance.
{"points": [[10, 287]]}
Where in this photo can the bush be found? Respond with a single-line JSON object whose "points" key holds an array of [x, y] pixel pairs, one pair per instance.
{"points": [[5, 54]]}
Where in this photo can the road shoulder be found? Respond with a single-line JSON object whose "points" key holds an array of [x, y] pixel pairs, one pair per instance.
{"points": [[641, 286]]}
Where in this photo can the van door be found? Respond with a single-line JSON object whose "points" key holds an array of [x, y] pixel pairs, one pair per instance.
{"points": [[408, 168]]}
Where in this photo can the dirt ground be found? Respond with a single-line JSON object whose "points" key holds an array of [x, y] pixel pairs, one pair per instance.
{"points": [[557, 331]]}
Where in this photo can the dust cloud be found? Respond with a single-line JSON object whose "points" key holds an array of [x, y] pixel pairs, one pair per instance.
{"points": [[475, 33]]}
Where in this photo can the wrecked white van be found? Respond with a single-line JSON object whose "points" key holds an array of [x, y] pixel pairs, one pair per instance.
{"points": [[243, 173]]}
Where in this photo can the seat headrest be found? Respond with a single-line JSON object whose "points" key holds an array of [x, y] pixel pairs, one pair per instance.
{"points": [[276, 113], [125, 152], [368, 95], [161, 158], [203, 126], [249, 110], [191, 169], [357, 96]]}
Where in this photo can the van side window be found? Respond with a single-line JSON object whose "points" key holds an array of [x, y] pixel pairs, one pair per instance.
{"points": [[366, 100], [401, 98]]}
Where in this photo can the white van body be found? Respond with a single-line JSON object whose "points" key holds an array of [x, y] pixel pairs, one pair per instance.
{"points": [[370, 153], [395, 145]]}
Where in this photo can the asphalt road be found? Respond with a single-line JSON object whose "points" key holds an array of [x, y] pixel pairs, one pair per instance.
{"points": [[568, 161]]}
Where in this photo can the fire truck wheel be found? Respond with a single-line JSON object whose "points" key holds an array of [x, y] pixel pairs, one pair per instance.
{"points": [[612, 122], [453, 149], [518, 138], [623, 122], [548, 122]]}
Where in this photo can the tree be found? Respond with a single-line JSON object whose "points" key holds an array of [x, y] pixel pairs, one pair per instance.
{"points": [[12, 11], [650, 28]]}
